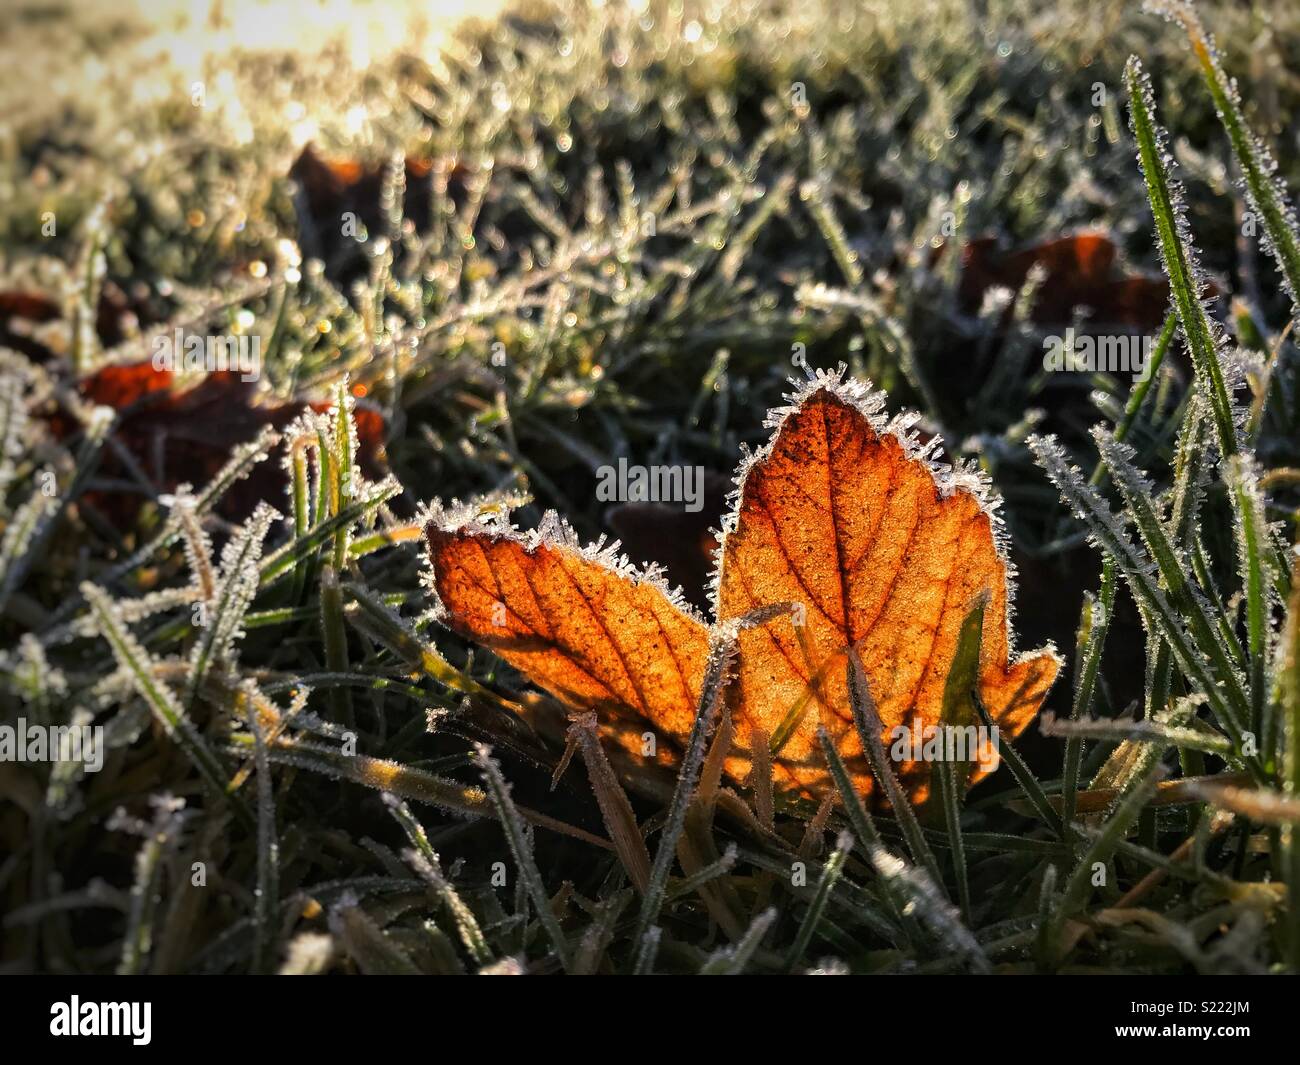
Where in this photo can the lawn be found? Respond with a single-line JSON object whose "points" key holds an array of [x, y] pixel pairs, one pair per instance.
{"points": [[290, 299]]}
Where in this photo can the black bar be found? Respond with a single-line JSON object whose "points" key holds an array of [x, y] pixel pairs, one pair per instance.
{"points": [[902, 1014]]}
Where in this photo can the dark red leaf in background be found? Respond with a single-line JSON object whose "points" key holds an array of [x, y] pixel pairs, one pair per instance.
{"points": [[185, 434], [1081, 272], [331, 188]]}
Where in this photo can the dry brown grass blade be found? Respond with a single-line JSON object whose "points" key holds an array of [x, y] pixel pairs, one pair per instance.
{"points": [[615, 809], [1167, 793]]}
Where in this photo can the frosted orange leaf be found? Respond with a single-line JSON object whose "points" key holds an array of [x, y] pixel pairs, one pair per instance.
{"points": [[841, 515]]}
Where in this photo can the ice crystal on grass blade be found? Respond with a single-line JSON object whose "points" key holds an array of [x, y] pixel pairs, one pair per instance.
{"points": [[1191, 635], [159, 838], [919, 894], [1206, 339], [133, 658], [222, 615], [25, 525], [732, 961], [198, 547], [1265, 190], [13, 421], [521, 847], [424, 860], [373, 951], [130, 611]]}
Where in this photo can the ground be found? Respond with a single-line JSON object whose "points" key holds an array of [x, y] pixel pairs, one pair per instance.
{"points": [[518, 249]]}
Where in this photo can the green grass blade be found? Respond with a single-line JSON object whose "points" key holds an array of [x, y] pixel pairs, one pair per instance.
{"points": [[1182, 593], [731, 961], [958, 712], [1139, 393], [266, 899], [132, 658], [1139, 571], [1025, 777], [647, 951], [1289, 691], [522, 849], [825, 884], [1098, 623], [1179, 258], [1264, 190], [867, 722], [1123, 817], [429, 867], [1254, 559], [722, 649], [234, 593], [284, 558]]}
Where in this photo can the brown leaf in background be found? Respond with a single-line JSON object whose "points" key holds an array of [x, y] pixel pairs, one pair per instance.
{"points": [[329, 189], [1080, 272], [174, 432], [22, 312]]}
